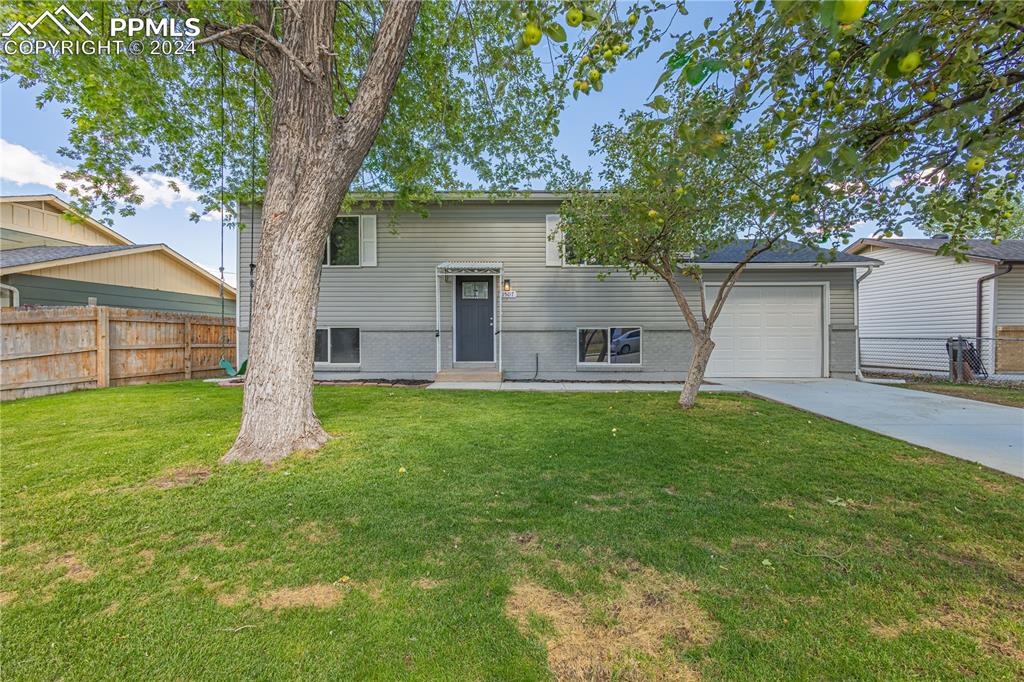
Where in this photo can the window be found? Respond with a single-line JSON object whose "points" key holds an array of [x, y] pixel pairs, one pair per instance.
{"points": [[569, 256], [343, 242], [337, 346], [474, 290], [611, 345]]}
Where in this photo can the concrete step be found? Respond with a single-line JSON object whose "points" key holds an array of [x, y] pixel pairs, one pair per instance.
{"points": [[468, 375]]}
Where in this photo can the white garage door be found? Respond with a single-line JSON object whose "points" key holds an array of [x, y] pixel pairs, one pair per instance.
{"points": [[768, 331]]}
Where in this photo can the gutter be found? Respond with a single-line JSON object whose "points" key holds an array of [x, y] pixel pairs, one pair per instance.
{"points": [[856, 320], [978, 296]]}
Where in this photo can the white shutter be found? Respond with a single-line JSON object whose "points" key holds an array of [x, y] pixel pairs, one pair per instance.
{"points": [[368, 240], [552, 253]]}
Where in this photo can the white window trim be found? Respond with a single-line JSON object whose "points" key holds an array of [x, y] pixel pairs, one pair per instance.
{"points": [[15, 296], [347, 365], [359, 251], [608, 363]]}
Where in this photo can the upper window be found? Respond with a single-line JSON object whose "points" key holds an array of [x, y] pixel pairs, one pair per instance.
{"points": [[337, 346], [343, 242], [609, 345]]}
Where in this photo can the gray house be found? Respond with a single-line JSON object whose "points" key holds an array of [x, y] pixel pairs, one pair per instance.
{"points": [[477, 286]]}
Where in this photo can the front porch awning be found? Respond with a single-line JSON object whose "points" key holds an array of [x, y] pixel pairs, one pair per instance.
{"points": [[460, 267]]}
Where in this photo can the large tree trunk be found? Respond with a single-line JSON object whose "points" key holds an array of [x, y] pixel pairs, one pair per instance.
{"points": [[314, 156], [702, 347]]}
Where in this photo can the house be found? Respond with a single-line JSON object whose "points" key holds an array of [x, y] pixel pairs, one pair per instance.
{"points": [[477, 285], [48, 260], [920, 298]]}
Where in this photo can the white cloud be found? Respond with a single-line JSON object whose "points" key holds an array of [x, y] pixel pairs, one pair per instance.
{"points": [[156, 189], [22, 166], [211, 217]]}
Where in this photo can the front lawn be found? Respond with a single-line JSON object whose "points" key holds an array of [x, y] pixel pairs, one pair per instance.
{"points": [[1012, 395], [471, 536]]}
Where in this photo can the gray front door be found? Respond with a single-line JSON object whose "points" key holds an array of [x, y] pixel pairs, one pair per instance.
{"points": [[474, 319]]}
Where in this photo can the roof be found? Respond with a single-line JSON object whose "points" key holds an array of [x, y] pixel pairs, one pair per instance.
{"points": [[30, 255], [469, 266], [64, 207], [29, 258], [1006, 251], [783, 253]]}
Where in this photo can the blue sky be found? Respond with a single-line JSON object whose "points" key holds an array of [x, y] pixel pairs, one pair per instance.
{"points": [[30, 164]]}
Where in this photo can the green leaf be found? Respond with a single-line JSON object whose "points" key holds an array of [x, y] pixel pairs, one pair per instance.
{"points": [[678, 60], [659, 103], [555, 31]]}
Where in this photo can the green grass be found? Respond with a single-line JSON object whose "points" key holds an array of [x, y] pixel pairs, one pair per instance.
{"points": [[806, 548], [1000, 395]]}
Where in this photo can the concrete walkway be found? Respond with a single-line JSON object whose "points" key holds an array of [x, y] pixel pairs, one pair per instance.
{"points": [[570, 386], [992, 435]]}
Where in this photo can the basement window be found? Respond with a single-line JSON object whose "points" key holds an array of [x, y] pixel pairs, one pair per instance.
{"points": [[337, 346], [609, 345]]}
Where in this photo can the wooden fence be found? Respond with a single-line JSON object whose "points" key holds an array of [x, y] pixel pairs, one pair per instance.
{"points": [[53, 350]]}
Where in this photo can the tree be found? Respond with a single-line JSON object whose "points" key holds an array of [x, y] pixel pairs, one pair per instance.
{"points": [[921, 98], [681, 181], [384, 95]]}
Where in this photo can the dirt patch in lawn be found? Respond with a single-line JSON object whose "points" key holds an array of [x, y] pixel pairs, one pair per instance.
{"points": [[238, 596], [316, 595], [7, 597], [177, 478], [426, 583], [630, 635], [74, 570]]}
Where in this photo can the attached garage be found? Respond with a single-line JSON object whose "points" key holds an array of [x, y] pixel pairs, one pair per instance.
{"points": [[771, 332]]}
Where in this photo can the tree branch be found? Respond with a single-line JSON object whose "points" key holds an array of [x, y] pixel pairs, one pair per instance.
{"points": [[226, 36], [359, 126]]}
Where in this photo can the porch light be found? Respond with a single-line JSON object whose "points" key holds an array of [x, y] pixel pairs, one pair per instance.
{"points": [[506, 285]]}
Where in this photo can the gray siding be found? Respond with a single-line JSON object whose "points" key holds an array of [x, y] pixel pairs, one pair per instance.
{"points": [[394, 302], [34, 290], [1010, 298]]}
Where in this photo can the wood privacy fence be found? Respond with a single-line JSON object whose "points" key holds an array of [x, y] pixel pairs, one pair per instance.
{"points": [[53, 350]]}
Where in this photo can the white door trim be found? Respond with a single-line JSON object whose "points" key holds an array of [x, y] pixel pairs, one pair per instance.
{"points": [[826, 305], [494, 316]]}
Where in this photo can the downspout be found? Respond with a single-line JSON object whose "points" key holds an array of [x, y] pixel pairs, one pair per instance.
{"points": [[977, 311], [856, 313]]}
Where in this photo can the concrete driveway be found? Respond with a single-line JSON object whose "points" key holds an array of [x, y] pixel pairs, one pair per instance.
{"points": [[992, 435]]}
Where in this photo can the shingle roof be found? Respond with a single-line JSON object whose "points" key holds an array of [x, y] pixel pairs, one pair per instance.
{"points": [[783, 252], [1008, 249], [29, 255]]}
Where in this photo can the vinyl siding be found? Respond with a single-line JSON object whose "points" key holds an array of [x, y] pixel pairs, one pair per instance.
{"points": [[398, 295], [922, 295], [33, 290], [35, 218], [147, 270], [1010, 298]]}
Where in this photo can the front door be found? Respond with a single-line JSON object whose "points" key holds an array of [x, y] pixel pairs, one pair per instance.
{"points": [[474, 319]]}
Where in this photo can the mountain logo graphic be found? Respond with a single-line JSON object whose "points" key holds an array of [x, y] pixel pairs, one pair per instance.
{"points": [[70, 19]]}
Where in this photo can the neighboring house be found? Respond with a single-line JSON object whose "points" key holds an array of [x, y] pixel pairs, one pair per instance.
{"points": [[477, 285], [48, 260], [920, 298]]}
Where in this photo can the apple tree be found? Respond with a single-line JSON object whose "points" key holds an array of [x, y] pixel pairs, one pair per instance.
{"points": [[921, 97], [684, 179]]}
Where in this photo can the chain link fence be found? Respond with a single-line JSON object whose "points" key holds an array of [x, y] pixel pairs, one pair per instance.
{"points": [[957, 358]]}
